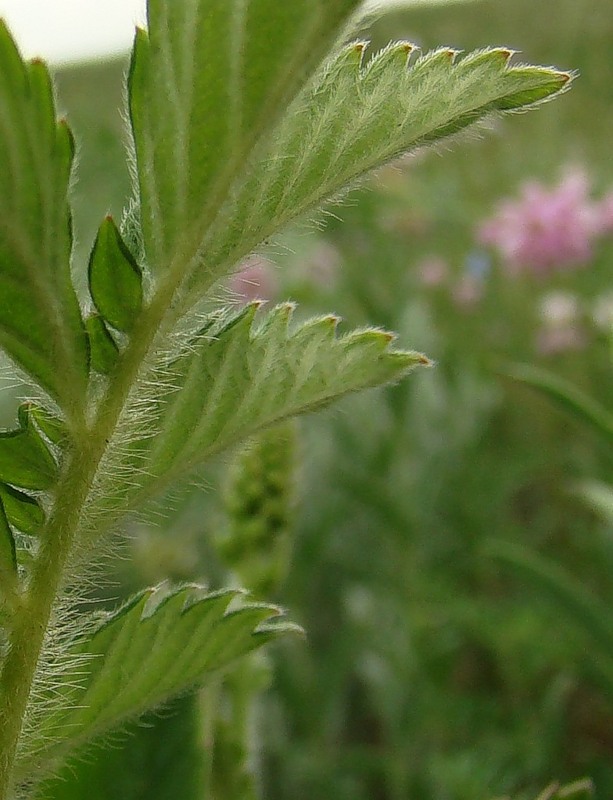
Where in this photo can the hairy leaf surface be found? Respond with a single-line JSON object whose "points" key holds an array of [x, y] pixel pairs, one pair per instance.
{"points": [[238, 377], [206, 83], [357, 116], [40, 320], [155, 647]]}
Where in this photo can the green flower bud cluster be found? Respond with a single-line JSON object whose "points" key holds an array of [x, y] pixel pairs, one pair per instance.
{"points": [[259, 502]]}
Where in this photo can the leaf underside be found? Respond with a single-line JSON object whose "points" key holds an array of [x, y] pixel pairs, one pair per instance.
{"points": [[224, 162], [206, 83], [237, 377], [157, 646], [40, 321], [358, 115]]}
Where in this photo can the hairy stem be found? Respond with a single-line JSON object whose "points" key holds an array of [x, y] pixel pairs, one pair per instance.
{"points": [[27, 634]]}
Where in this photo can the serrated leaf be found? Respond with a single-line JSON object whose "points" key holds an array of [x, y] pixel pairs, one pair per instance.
{"points": [[157, 646], [22, 511], [40, 320], [115, 279], [357, 116], [567, 397], [102, 347], [206, 84], [25, 460], [239, 377]]}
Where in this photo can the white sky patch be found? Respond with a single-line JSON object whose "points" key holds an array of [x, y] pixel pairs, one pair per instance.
{"points": [[62, 31]]}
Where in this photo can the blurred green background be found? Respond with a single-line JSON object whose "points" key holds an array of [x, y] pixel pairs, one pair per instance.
{"points": [[453, 577]]}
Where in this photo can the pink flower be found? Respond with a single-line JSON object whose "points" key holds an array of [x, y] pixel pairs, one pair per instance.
{"points": [[547, 230]]}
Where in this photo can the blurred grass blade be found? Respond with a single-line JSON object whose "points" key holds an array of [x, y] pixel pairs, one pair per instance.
{"points": [[585, 613], [566, 396], [599, 496]]}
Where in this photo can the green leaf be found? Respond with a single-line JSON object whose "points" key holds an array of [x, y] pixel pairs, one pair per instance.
{"points": [[25, 460], [115, 279], [40, 320], [22, 511], [207, 83], [237, 378], [8, 559], [102, 347], [160, 759], [48, 423], [357, 116], [567, 397], [157, 646]]}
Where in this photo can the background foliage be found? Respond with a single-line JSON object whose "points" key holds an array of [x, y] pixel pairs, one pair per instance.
{"points": [[436, 667]]}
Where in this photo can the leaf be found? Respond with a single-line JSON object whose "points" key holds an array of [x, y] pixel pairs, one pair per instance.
{"points": [[8, 560], [206, 84], [25, 460], [566, 396], [238, 378], [103, 350], [357, 116], [40, 320], [157, 646], [22, 511], [161, 759], [115, 279], [48, 423]]}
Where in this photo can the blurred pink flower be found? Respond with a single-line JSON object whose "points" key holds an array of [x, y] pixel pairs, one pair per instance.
{"points": [[468, 291], [548, 230], [562, 339], [433, 271], [255, 280]]}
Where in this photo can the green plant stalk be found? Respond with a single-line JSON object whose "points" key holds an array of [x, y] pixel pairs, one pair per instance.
{"points": [[27, 635]]}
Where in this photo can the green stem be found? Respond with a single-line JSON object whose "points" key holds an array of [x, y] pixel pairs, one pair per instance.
{"points": [[28, 628]]}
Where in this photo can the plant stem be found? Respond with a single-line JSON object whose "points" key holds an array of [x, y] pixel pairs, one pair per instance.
{"points": [[28, 629]]}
